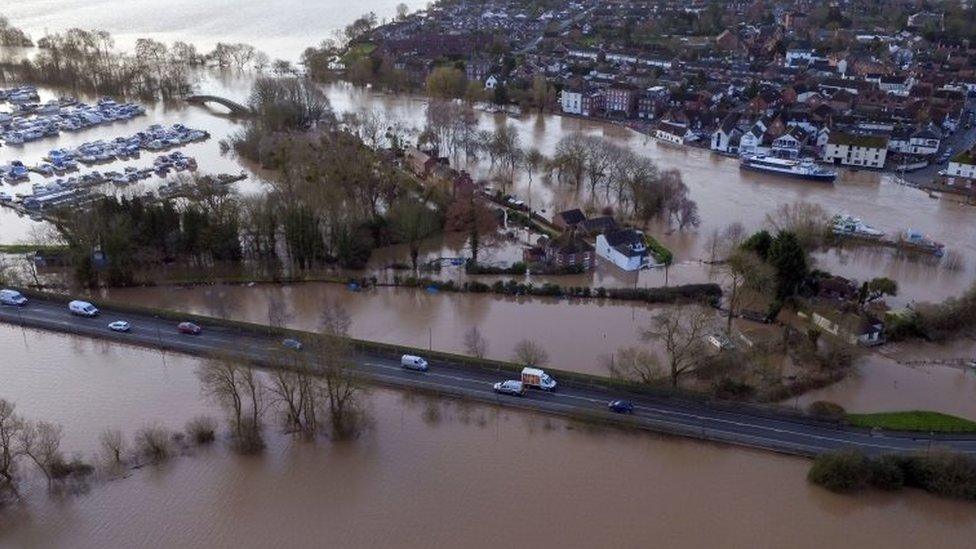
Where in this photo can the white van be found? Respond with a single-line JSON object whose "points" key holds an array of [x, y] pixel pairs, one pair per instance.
{"points": [[12, 297], [412, 362], [82, 308], [534, 377]]}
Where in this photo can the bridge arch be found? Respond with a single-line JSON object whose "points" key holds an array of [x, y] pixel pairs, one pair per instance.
{"points": [[235, 108]]}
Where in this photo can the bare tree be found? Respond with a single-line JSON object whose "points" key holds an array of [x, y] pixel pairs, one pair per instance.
{"points": [[806, 220], [279, 314], [682, 332], [474, 343], [11, 425], [113, 446], [745, 271], [335, 319], [343, 392], [41, 443], [635, 363], [530, 353], [237, 389]]}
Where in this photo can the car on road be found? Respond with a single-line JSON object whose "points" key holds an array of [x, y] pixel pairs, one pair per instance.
{"points": [[189, 328], [621, 406], [83, 308], [12, 297], [411, 362], [292, 344], [512, 387], [119, 326]]}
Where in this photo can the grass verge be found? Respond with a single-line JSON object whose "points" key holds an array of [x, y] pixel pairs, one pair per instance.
{"points": [[915, 420]]}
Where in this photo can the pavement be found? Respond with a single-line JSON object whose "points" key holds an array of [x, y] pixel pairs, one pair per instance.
{"points": [[731, 423]]}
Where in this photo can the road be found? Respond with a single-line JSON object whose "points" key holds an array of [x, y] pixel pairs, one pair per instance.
{"points": [[708, 420]]}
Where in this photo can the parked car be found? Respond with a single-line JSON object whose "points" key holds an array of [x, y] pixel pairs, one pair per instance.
{"points": [[12, 297], [189, 328], [292, 344], [512, 387], [534, 377], [411, 362], [119, 326], [83, 308], [621, 406]]}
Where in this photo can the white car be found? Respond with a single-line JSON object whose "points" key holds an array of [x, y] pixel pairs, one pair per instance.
{"points": [[12, 297], [119, 326], [512, 387]]}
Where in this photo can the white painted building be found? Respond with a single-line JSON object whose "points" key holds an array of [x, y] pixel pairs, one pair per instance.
{"points": [[856, 150], [571, 101], [625, 248], [962, 165]]}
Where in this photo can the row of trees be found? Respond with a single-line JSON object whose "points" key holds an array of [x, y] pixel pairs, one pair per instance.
{"points": [[313, 389], [110, 242]]}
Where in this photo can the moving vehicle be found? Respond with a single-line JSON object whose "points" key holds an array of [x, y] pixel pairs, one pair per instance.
{"points": [[511, 387], [82, 308], [534, 377], [119, 326], [411, 362], [621, 406], [12, 297], [801, 169], [189, 328], [292, 344]]}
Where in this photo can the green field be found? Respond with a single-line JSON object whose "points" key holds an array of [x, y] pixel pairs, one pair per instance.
{"points": [[30, 248], [914, 420]]}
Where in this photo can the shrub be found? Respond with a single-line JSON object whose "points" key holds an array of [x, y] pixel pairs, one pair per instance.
{"points": [[826, 410], [946, 473], [202, 429], [842, 471], [153, 442], [887, 473]]}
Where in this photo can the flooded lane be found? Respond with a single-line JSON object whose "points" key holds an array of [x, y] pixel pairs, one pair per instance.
{"points": [[429, 473], [576, 334]]}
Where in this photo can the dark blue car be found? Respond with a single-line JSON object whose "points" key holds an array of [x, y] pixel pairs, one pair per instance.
{"points": [[621, 406]]}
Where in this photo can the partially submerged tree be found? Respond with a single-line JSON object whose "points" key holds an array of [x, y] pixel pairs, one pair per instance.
{"points": [[530, 353], [681, 331], [475, 344]]}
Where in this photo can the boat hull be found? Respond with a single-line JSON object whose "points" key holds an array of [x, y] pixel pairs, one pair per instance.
{"points": [[826, 178]]}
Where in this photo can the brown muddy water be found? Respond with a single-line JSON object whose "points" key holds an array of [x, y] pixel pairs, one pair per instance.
{"points": [[429, 473]]}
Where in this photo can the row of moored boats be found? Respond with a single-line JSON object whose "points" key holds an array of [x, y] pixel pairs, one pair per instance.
{"points": [[850, 226]]}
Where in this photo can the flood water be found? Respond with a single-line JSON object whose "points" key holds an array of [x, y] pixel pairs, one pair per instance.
{"points": [[429, 473]]}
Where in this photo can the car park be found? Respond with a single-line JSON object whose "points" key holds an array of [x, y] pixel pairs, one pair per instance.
{"points": [[621, 406], [188, 328], [119, 326]]}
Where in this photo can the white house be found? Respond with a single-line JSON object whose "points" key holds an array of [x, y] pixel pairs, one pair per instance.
{"points": [[571, 101], [962, 165], [672, 132], [492, 82], [851, 149], [726, 137], [625, 248], [925, 141]]}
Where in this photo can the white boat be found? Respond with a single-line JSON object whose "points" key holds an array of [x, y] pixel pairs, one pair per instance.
{"points": [[802, 169], [844, 224]]}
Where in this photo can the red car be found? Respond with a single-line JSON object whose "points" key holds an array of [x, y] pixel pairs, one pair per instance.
{"points": [[189, 328]]}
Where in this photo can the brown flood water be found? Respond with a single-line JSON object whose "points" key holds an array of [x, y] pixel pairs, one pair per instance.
{"points": [[429, 473]]}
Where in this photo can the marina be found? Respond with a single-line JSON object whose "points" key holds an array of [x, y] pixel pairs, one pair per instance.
{"points": [[33, 121], [852, 228]]}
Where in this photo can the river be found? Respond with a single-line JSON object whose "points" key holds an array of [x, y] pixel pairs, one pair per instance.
{"points": [[430, 472]]}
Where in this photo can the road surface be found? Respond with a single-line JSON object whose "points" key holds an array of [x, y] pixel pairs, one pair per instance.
{"points": [[728, 423]]}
